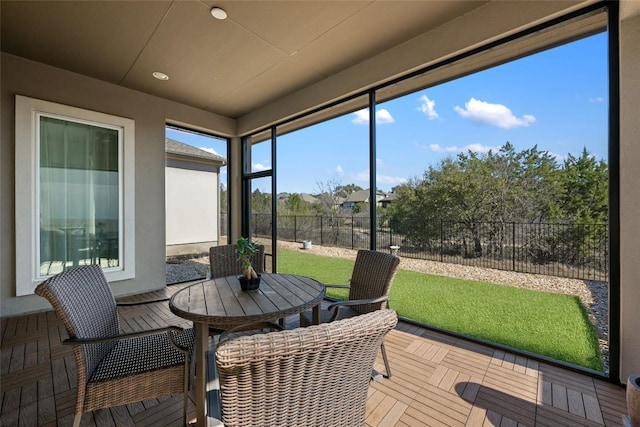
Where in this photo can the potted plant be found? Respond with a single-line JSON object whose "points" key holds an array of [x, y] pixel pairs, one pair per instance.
{"points": [[245, 249]]}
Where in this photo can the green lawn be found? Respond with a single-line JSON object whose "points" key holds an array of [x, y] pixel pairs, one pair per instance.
{"points": [[544, 323]]}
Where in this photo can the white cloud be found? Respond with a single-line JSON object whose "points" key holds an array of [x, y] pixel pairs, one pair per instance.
{"points": [[379, 163], [380, 179], [428, 107], [476, 148], [390, 180], [257, 167], [596, 99], [361, 117], [479, 148], [360, 176], [382, 116], [438, 149], [493, 114], [209, 150], [339, 170]]}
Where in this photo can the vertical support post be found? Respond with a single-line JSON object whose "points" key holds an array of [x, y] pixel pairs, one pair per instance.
{"points": [[373, 191]]}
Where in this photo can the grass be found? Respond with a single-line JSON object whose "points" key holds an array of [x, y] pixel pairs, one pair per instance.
{"points": [[544, 323]]}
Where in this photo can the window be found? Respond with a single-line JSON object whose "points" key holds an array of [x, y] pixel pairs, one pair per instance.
{"points": [[494, 158], [74, 172]]}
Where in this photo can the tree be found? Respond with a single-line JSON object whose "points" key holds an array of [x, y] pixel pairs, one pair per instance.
{"points": [[295, 205], [329, 196], [260, 202], [345, 190], [223, 197], [492, 188], [582, 190], [582, 202]]}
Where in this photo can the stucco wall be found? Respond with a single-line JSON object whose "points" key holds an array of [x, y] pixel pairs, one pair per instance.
{"points": [[629, 189], [24, 77], [192, 208]]}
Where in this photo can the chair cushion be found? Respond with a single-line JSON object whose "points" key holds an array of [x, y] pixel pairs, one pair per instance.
{"points": [[142, 354]]}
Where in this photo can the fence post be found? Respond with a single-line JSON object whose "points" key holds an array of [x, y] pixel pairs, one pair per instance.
{"points": [[513, 243], [352, 233], [441, 241], [295, 228], [321, 233]]}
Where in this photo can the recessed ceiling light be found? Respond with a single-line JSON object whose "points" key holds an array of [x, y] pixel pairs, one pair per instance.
{"points": [[218, 13], [160, 76]]}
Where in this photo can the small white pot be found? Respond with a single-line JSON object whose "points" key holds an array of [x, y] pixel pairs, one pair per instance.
{"points": [[633, 399]]}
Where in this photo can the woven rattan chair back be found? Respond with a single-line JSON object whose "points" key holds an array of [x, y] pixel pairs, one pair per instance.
{"points": [[84, 302], [223, 261], [315, 376], [372, 275], [114, 369]]}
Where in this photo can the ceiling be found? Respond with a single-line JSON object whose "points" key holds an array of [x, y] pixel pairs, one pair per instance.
{"points": [[263, 51]]}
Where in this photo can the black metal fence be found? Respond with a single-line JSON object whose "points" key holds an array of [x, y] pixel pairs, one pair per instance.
{"points": [[579, 251]]}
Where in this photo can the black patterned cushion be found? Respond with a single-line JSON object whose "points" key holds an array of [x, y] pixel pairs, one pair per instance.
{"points": [[143, 354]]}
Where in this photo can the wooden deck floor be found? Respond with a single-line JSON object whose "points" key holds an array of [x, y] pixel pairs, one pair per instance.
{"points": [[437, 381]]}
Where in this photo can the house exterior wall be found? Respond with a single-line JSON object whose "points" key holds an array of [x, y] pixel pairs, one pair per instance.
{"points": [[191, 207], [629, 189], [28, 78]]}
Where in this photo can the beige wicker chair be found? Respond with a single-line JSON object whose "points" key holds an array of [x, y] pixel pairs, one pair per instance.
{"points": [[114, 369], [315, 376], [371, 279], [223, 261]]}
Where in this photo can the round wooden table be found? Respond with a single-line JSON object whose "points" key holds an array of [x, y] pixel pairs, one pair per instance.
{"points": [[221, 303]]}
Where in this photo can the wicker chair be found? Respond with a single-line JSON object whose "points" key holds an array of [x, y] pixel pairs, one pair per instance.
{"points": [[224, 262], [371, 279], [315, 376], [114, 369]]}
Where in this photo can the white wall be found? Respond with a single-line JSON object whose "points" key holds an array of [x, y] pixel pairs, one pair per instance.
{"points": [[191, 206]]}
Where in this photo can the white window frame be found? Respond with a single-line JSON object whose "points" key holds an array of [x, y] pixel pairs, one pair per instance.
{"points": [[27, 136]]}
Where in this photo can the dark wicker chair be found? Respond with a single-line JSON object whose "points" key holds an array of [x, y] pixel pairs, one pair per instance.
{"points": [[114, 369], [315, 376], [223, 261], [371, 279]]}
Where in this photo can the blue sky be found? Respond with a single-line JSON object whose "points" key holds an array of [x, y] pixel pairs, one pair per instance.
{"points": [[557, 100]]}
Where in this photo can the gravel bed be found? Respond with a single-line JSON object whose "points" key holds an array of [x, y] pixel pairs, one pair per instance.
{"points": [[592, 294]]}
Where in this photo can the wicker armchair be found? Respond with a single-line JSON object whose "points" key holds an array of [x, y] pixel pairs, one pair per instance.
{"points": [[114, 369], [315, 376], [224, 262], [371, 279]]}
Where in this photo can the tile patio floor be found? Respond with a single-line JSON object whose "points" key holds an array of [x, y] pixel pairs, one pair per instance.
{"points": [[437, 380]]}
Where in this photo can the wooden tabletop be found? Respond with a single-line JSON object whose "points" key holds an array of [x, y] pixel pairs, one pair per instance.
{"points": [[221, 303]]}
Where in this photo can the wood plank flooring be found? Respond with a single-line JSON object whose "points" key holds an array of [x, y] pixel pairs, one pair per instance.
{"points": [[437, 380]]}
